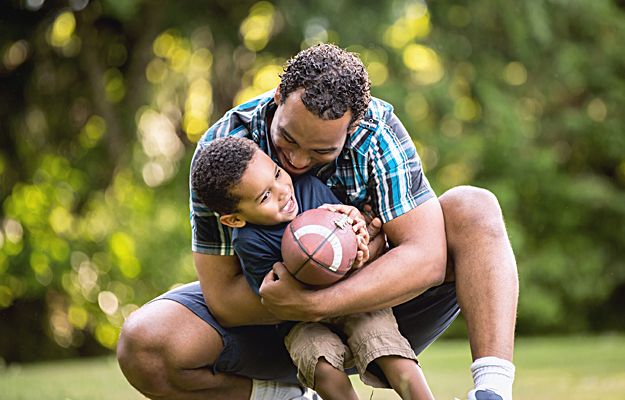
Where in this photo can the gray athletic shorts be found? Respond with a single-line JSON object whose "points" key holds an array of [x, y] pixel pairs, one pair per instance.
{"points": [[259, 352]]}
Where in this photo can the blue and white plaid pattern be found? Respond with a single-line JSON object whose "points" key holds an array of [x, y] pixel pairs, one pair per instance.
{"points": [[379, 166]]}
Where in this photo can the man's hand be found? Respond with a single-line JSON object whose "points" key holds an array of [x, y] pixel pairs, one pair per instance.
{"points": [[286, 297]]}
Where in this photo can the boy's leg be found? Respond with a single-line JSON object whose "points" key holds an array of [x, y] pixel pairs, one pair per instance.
{"points": [[331, 383], [320, 357], [406, 377]]}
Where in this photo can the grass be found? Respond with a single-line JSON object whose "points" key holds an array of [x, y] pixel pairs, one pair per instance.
{"points": [[547, 368]]}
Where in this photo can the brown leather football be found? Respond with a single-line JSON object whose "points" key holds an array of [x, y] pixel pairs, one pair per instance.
{"points": [[319, 246]]}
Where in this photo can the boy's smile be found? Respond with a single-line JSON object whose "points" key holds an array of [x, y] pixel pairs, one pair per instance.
{"points": [[266, 192]]}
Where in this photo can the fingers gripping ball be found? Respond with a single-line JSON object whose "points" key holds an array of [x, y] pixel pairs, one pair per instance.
{"points": [[319, 246]]}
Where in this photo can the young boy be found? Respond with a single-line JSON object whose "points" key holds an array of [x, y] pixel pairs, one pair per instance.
{"points": [[257, 198]]}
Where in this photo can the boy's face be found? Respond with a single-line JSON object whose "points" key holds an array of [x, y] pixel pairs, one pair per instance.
{"points": [[303, 140], [266, 192]]}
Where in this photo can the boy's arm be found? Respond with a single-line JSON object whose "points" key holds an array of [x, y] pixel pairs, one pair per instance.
{"points": [[227, 294]]}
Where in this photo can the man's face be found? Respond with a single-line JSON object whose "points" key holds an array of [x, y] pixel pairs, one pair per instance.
{"points": [[266, 192], [303, 140]]}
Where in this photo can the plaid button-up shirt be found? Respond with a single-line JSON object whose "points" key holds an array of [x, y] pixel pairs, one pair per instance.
{"points": [[378, 165]]}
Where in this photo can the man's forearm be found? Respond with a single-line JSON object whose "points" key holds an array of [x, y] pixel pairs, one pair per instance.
{"points": [[396, 277]]}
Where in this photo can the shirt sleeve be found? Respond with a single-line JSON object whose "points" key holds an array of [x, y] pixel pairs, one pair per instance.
{"points": [[257, 257], [396, 180]]}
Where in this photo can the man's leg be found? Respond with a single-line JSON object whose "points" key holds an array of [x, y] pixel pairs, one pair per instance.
{"points": [[173, 348], [484, 268], [164, 349]]}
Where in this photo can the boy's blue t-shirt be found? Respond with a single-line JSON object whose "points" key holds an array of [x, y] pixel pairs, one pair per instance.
{"points": [[259, 246]]}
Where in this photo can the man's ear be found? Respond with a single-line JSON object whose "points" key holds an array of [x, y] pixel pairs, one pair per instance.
{"points": [[277, 96], [232, 221], [353, 128]]}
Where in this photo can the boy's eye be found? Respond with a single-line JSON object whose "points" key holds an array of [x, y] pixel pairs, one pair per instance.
{"points": [[265, 196], [278, 172]]}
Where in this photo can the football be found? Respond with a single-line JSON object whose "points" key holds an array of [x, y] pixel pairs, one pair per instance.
{"points": [[319, 246]]}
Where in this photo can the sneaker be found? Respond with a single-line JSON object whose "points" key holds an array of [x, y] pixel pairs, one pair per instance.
{"points": [[484, 395], [311, 395]]}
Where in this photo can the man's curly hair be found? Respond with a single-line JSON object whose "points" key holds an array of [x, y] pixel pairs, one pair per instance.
{"points": [[218, 169], [333, 80]]}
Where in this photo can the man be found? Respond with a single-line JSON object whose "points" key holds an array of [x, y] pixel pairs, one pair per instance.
{"points": [[322, 120]]}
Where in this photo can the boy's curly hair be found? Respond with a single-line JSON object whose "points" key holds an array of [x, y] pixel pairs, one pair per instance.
{"points": [[218, 168], [333, 80]]}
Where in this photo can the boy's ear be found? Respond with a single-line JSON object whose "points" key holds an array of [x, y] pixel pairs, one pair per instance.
{"points": [[232, 221]]}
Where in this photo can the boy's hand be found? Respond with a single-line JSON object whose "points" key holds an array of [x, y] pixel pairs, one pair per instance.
{"points": [[374, 224], [377, 241], [360, 228]]}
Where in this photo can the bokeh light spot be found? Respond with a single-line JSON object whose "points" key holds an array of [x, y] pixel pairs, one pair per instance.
{"points": [[256, 28], [515, 73], [163, 44], [156, 71], [107, 335], [13, 230], [108, 302], [130, 267], [467, 109], [16, 54], [34, 5], [63, 28], [267, 78], [377, 72], [6, 297], [93, 130], [123, 246], [597, 110], [416, 107], [78, 316], [114, 87]]}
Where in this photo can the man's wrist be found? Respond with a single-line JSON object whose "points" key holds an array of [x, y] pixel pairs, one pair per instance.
{"points": [[317, 309]]}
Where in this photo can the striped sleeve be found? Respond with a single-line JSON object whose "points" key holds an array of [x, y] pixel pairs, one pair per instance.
{"points": [[396, 180]]}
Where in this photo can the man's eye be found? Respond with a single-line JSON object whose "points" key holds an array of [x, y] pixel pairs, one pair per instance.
{"points": [[288, 140]]}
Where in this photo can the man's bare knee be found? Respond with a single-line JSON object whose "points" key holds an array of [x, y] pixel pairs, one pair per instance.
{"points": [[141, 355], [162, 347], [468, 208]]}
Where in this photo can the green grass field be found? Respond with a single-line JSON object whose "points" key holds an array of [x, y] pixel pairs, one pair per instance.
{"points": [[578, 368]]}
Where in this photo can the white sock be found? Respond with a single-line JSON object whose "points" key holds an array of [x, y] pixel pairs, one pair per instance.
{"points": [[494, 374], [268, 390]]}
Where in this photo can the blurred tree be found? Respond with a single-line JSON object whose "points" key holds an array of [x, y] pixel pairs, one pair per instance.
{"points": [[101, 102]]}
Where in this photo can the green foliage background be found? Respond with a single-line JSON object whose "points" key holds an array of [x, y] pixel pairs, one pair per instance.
{"points": [[101, 103]]}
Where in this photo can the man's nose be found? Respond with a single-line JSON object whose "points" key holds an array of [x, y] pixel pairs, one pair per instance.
{"points": [[299, 159]]}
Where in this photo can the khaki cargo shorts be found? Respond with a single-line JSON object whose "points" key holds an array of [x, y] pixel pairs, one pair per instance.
{"points": [[369, 336]]}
